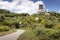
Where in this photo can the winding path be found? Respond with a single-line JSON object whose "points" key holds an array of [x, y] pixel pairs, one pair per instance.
{"points": [[12, 36]]}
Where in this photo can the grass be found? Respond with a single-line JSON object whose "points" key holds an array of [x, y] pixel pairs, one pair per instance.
{"points": [[7, 32], [28, 35], [40, 34], [47, 27], [46, 30]]}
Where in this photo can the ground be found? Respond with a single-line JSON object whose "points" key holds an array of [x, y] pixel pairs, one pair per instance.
{"points": [[12, 36]]}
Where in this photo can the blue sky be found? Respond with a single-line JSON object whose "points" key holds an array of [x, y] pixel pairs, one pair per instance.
{"points": [[51, 5]]}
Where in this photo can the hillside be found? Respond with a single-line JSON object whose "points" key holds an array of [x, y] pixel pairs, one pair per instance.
{"points": [[40, 26]]}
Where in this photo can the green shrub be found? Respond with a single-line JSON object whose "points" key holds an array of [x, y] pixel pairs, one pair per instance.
{"points": [[49, 25], [48, 34], [16, 24], [1, 18], [4, 28], [59, 20], [57, 26]]}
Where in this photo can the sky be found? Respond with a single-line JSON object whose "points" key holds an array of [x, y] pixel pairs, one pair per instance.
{"points": [[29, 6]]}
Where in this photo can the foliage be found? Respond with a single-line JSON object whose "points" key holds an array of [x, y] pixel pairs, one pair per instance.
{"points": [[48, 34], [2, 18], [4, 28], [45, 27]]}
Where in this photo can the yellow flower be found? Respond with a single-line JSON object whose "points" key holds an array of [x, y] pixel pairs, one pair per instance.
{"points": [[43, 21]]}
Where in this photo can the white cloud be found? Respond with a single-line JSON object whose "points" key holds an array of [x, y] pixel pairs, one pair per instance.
{"points": [[21, 6]]}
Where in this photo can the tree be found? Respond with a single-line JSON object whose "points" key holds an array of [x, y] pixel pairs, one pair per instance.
{"points": [[24, 14]]}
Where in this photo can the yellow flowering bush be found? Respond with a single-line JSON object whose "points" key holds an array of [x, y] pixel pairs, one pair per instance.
{"points": [[43, 21], [58, 26]]}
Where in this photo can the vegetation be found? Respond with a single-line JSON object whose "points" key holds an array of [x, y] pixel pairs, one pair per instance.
{"points": [[10, 21], [7, 32], [40, 26], [45, 27]]}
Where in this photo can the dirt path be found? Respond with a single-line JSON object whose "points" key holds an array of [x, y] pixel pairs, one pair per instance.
{"points": [[12, 36]]}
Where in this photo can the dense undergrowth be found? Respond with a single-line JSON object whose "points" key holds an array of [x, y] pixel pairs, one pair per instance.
{"points": [[40, 26]]}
